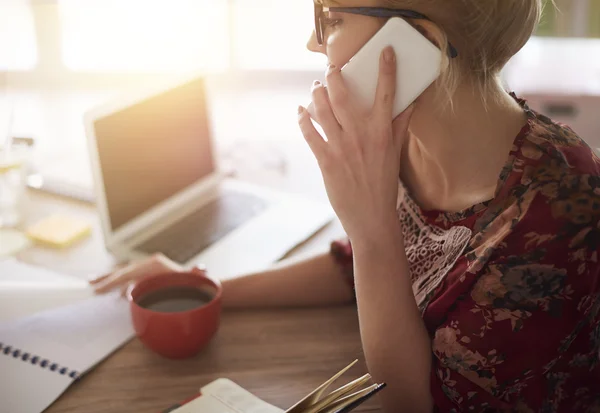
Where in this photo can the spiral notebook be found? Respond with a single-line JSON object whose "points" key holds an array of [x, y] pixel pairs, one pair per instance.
{"points": [[43, 354]]}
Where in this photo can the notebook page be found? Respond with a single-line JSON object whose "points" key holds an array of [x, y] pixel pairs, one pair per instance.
{"points": [[23, 301], [77, 336], [26, 290], [27, 388], [204, 404], [235, 398], [13, 272]]}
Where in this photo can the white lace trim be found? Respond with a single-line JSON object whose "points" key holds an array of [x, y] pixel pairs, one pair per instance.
{"points": [[431, 251]]}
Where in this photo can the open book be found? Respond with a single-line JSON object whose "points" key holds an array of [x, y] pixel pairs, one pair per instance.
{"points": [[224, 396]]}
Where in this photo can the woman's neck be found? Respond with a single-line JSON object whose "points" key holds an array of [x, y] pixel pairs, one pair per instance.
{"points": [[453, 158]]}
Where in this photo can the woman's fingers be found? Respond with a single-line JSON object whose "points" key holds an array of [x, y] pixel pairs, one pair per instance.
{"points": [[101, 278], [386, 86], [129, 273], [339, 97], [311, 135], [156, 264], [384, 97], [98, 280], [323, 111], [115, 279]]}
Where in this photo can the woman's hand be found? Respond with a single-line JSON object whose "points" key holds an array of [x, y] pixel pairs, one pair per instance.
{"points": [[122, 277], [360, 161]]}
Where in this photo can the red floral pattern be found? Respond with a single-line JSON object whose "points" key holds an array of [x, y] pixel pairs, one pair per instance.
{"points": [[515, 325]]}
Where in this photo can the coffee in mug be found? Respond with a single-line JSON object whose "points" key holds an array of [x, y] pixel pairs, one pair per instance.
{"points": [[175, 299]]}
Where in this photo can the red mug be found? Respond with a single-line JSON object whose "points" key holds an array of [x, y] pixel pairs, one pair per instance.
{"points": [[182, 334]]}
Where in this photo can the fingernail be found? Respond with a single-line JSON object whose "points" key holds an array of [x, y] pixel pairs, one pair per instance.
{"points": [[316, 83], [300, 110], [388, 55]]}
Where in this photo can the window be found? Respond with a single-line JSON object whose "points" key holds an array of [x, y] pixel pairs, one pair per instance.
{"points": [[169, 36], [272, 34], [158, 36], [144, 36], [17, 36]]}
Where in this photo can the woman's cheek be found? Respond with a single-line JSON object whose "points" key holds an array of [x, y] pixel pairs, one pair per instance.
{"points": [[343, 45], [339, 53]]}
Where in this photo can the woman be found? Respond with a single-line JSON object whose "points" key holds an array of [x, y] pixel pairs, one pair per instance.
{"points": [[477, 278]]}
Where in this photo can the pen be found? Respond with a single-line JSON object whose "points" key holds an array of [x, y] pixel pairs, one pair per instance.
{"points": [[360, 401]]}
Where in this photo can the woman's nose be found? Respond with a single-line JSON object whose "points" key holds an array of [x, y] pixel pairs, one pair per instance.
{"points": [[313, 45]]}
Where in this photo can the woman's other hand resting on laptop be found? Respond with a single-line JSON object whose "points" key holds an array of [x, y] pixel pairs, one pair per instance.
{"points": [[477, 279]]}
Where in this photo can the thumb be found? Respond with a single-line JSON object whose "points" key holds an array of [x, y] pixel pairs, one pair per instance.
{"points": [[400, 126]]}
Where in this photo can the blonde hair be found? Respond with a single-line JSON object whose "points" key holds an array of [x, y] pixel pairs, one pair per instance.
{"points": [[486, 33]]}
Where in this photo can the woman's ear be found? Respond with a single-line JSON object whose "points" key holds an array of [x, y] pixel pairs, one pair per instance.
{"points": [[430, 31], [434, 34]]}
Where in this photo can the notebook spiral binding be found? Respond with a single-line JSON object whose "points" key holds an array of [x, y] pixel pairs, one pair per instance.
{"points": [[37, 361]]}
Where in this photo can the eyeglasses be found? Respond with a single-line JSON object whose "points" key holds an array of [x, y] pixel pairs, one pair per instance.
{"points": [[320, 11]]}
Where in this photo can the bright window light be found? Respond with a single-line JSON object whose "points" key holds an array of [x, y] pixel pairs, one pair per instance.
{"points": [[144, 36], [272, 34], [17, 36]]}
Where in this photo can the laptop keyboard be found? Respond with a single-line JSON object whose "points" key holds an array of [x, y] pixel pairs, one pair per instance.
{"points": [[192, 234]]}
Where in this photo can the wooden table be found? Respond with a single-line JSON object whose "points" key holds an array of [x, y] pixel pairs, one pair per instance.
{"points": [[279, 355]]}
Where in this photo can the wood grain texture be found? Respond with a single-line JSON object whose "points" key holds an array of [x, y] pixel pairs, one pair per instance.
{"points": [[280, 356]]}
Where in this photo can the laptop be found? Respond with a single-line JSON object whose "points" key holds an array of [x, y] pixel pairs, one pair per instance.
{"points": [[159, 188]]}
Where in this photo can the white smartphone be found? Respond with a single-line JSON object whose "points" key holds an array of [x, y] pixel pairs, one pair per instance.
{"points": [[418, 65]]}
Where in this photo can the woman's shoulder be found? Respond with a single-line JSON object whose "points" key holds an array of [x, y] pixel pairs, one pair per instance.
{"points": [[556, 145], [554, 173], [550, 200]]}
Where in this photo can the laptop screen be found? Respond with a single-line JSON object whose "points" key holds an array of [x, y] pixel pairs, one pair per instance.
{"points": [[152, 150]]}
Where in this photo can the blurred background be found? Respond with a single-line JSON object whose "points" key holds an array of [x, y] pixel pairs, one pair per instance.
{"points": [[59, 58]]}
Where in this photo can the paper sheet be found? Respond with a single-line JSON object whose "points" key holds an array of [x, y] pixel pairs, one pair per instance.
{"points": [[26, 290], [18, 302], [27, 388], [77, 336], [224, 396], [14, 272], [238, 399]]}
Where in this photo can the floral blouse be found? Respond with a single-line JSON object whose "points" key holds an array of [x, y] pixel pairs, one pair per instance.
{"points": [[510, 289]]}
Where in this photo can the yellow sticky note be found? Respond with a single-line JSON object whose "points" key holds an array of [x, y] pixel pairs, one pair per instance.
{"points": [[59, 231]]}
